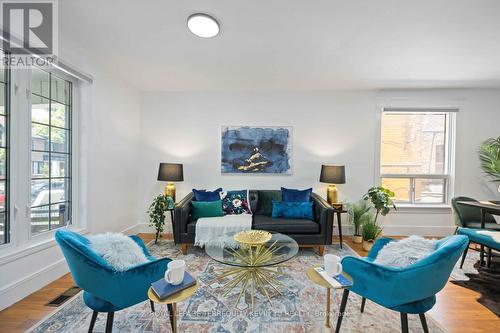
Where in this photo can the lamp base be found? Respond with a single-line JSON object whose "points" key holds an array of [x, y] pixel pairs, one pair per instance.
{"points": [[332, 195], [170, 190]]}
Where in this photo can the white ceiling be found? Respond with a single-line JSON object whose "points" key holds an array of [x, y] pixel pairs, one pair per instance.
{"points": [[292, 44]]}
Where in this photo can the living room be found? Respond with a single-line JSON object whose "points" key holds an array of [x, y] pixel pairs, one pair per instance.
{"points": [[386, 109]]}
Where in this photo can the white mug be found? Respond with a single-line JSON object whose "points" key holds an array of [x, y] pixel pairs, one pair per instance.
{"points": [[332, 264], [175, 272]]}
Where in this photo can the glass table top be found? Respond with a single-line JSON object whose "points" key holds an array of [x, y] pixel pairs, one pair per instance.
{"points": [[226, 250]]}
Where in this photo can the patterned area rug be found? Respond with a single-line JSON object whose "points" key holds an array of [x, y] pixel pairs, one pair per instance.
{"points": [[301, 308]]}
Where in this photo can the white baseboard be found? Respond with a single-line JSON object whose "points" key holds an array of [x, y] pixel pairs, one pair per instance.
{"points": [[144, 228], [23, 287]]}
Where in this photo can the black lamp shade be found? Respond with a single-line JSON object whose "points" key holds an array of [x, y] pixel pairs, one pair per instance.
{"points": [[332, 174], [170, 172]]}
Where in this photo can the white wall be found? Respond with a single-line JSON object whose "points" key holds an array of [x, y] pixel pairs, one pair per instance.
{"points": [[109, 137], [328, 127]]}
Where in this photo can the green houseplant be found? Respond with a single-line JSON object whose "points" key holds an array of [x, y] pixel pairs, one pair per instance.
{"points": [[371, 230], [381, 198], [156, 213], [489, 154], [357, 211]]}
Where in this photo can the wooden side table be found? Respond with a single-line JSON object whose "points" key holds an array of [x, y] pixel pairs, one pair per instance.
{"points": [[339, 212], [317, 279], [172, 301]]}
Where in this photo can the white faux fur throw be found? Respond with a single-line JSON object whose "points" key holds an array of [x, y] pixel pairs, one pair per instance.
{"points": [[405, 252], [119, 251]]}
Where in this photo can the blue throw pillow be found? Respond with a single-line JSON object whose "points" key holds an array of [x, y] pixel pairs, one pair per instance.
{"points": [[204, 195], [292, 195], [293, 210]]}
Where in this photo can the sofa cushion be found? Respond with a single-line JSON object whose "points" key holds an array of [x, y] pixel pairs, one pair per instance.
{"points": [[293, 210], [286, 226], [265, 201], [292, 195], [235, 202], [206, 209], [204, 195]]}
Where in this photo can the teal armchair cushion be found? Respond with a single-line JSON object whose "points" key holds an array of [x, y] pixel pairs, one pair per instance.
{"points": [[105, 289], [484, 237], [410, 289]]}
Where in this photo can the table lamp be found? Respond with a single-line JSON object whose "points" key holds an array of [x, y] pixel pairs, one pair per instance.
{"points": [[332, 174], [170, 172]]}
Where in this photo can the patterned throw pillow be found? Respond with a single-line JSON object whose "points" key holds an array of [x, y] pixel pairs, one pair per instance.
{"points": [[235, 202]]}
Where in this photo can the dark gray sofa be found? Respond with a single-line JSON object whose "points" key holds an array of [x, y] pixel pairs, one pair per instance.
{"points": [[307, 233]]}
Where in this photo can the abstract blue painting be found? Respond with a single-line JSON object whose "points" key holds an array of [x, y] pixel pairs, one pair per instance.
{"points": [[253, 150]]}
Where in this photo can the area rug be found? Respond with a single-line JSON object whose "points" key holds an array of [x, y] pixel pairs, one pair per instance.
{"points": [[484, 280], [301, 308]]}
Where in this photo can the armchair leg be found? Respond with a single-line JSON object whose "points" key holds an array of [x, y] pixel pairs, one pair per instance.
{"points": [[184, 248], [171, 315], [424, 322], [109, 322], [321, 250], [152, 305], [404, 322], [363, 302], [488, 262], [464, 255], [92, 321], [481, 256], [343, 304]]}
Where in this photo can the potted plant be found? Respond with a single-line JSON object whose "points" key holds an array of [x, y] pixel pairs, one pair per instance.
{"points": [[156, 213], [489, 154], [357, 211], [381, 198], [371, 230]]}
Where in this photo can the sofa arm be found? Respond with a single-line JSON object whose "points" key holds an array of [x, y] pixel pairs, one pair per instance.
{"points": [[182, 211], [323, 214]]}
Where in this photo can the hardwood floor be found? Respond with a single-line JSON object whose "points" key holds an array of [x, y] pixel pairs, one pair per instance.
{"points": [[456, 309]]}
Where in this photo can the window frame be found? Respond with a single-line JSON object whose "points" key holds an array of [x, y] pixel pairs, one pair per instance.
{"points": [[7, 115], [448, 176], [69, 174], [22, 241]]}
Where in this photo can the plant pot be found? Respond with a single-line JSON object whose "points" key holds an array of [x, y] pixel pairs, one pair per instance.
{"points": [[357, 239], [367, 245]]}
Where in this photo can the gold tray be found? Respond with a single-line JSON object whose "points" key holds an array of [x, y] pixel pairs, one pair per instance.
{"points": [[253, 237]]}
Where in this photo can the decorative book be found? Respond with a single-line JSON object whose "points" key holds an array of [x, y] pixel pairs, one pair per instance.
{"points": [[337, 282], [163, 289]]}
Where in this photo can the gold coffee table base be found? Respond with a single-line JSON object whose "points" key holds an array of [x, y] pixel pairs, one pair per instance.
{"points": [[254, 276]]}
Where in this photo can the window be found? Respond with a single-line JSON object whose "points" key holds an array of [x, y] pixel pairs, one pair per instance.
{"points": [[4, 154], [415, 155], [50, 151]]}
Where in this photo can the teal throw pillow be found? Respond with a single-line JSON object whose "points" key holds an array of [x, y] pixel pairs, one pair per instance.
{"points": [[293, 210], [206, 209]]}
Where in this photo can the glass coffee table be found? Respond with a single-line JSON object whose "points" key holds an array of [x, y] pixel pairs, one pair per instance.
{"points": [[253, 267]]}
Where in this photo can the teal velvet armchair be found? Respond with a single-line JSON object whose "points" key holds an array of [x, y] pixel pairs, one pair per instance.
{"points": [[408, 290], [106, 290]]}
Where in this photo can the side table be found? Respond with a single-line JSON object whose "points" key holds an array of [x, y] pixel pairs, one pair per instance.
{"points": [[339, 212], [317, 279], [172, 301]]}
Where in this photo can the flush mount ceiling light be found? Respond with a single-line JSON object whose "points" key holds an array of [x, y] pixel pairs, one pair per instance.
{"points": [[203, 25]]}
